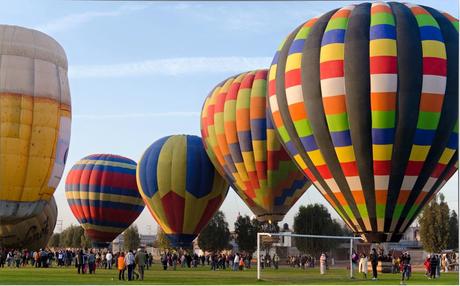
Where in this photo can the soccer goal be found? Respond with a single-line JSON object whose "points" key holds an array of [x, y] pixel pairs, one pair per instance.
{"points": [[276, 237]]}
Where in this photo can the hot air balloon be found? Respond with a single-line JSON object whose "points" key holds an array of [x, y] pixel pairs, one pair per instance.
{"points": [[365, 99], [34, 121], [102, 193], [32, 233], [239, 138], [180, 187]]}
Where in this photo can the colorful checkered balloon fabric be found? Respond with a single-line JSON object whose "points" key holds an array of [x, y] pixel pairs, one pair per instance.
{"points": [[180, 186], [240, 140], [102, 193], [365, 100]]}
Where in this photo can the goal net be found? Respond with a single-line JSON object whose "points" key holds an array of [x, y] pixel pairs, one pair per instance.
{"points": [[308, 253]]}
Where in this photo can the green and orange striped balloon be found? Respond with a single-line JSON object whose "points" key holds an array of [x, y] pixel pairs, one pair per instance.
{"points": [[365, 100], [240, 140]]}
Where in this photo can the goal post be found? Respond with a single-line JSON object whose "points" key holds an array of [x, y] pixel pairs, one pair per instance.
{"points": [[349, 238]]}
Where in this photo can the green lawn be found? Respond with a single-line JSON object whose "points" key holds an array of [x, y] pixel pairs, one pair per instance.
{"points": [[203, 275]]}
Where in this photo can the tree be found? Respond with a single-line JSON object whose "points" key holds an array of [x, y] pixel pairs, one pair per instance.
{"points": [[453, 231], [54, 240], [246, 233], [434, 225], [315, 219], [72, 237], [161, 241], [131, 238], [215, 236]]}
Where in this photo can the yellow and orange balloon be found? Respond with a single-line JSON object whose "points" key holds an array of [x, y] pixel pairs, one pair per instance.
{"points": [[35, 112]]}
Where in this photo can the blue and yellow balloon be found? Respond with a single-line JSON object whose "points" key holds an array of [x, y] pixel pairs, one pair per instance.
{"points": [[180, 186]]}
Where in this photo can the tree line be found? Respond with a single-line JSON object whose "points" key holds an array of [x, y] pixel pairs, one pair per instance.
{"points": [[310, 219], [74, 236], [438, 231]]}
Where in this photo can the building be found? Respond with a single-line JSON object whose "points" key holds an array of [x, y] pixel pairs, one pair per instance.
{"points": [[146, 241]]}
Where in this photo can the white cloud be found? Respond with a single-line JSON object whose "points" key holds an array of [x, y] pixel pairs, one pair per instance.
{"points": [[171, 66], [138, 115], [74, 20]]}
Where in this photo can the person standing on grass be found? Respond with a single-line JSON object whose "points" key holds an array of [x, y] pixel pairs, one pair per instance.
{"points": [[426, 264], [174, 260], [129, 261], [2, 259], [85, 262], [79, 262], [241, 264], [236, 261], [363, 265], [37, 258], [121, 266], [146, 260], [433, 265], [405, 261], [91, 262], [354, 262], [276, 260], [164, 261], [438, 266], [17, 258], [139, 259], [374, 261], [322, 264], [109, 258]]}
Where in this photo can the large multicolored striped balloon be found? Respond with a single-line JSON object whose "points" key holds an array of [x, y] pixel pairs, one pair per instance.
{"points": [[239, 137], [365, 99], [34, 122], [180, 186], [102, 192]]}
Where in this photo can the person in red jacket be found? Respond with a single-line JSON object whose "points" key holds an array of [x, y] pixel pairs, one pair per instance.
{"points": [[427, 266]]}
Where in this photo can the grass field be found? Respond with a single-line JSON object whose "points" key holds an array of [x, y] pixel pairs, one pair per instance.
{"points": [[203, 275]]}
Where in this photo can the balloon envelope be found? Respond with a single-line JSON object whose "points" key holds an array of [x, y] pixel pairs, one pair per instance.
{"points": [[365, 99], [240, 140], [102, 193], [180, 186], [34, 121], [32, 233]]}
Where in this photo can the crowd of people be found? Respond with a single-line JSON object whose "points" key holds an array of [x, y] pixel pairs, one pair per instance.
{"points": [[301, 261], [435, 264], [400, 264], [84, 260], [216, 261], [135, 262]]}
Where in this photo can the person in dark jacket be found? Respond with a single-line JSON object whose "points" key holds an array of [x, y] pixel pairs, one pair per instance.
{"points": [[433, 264], [374, 261], [405, 262], [79, 262]]}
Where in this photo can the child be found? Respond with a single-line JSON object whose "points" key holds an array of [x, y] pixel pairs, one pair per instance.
{"points": [[241, 263], [121, 266], [363, 265]]}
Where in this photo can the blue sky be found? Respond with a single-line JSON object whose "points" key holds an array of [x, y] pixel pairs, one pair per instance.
{"points": [[139, 71]]}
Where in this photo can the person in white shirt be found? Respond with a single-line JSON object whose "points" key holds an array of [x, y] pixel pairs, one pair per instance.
{"points": [[236, 262], [322, 263], [129, 261], [109, 257], [363, 265]]}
